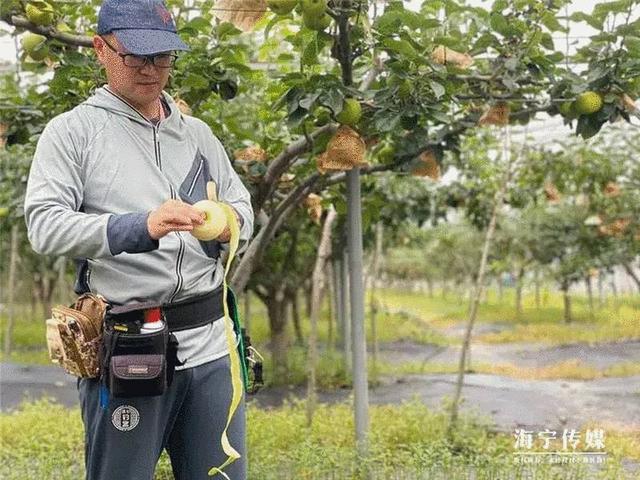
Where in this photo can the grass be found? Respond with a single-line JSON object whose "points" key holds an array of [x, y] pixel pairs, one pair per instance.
{"points": [[567, 370], [544, 325], [390, 327], [30, 345], [44, 440]]}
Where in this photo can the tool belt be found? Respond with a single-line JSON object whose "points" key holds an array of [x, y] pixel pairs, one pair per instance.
{"points": [[92, 338], [189, 313], [74, 335], [135, 363]]}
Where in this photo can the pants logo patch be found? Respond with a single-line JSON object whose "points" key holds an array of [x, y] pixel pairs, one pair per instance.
{"points": [[125, 418]]}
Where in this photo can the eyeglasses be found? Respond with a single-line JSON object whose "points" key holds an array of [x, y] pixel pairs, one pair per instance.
{"points": [[161, 60]]}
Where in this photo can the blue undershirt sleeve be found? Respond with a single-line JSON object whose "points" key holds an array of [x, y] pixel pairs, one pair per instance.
{"points": [[128, 233]]}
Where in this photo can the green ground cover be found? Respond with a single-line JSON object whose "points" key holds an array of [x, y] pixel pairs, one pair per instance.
{"points": [[619, 320], [44, 440], [30, 345]]}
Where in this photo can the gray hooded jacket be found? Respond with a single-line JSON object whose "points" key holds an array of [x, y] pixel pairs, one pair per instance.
{"points": [[99, 170]]}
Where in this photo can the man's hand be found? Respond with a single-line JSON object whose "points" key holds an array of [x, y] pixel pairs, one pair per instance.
{"points": [[225, 236], [173, 216]]}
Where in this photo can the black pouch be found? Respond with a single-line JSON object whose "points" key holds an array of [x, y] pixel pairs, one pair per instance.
{"points": [[138, 364]]}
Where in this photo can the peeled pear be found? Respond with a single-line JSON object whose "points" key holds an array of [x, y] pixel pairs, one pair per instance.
{"points": [[215, 220]]}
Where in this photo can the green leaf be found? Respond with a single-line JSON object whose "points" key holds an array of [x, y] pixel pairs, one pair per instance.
{"points": [[439, 116], [399, 46], [392, 21], [195, 81], [437, 88], [601, 10], [200, 24], [308, 100], [385, 121], [296, 117], [312, 50], [499, 5], [550, 21], [583, 17], [511, 64], [632, 28], [500, 24], [332, 99], [546, 40], [588, 126], [486, 40], [555, 57], [272, 23], [633, 45], [226, 29]]}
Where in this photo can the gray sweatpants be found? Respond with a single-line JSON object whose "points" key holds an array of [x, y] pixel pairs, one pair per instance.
{"points": [[124, 440]]}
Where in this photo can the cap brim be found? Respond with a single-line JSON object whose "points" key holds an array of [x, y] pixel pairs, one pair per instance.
{"points": [[149, 42]]}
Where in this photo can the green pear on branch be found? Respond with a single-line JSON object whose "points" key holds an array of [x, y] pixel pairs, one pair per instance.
{"points": [[317, 23], [313, 8], [35, 46], [281, 7], [40, 13]]}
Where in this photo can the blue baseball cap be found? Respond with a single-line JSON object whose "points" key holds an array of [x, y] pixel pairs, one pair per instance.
{"points": [[143, 27]]}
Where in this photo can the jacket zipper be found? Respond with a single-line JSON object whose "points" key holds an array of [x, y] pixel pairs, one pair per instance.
{"points": [[87, 276], [181, 247], [195, 178], [158, 158]]}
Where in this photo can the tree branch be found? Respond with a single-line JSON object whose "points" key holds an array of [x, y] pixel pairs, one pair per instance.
{"points": [[51, 32], [281, 163]]}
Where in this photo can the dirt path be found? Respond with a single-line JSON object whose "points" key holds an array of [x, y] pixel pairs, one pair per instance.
{"points": [[507, 401], [599, 356]]}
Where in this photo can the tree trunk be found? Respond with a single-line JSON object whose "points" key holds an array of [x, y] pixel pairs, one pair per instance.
{"points": [[537, 286], [247, 310], [13, 261], [61, 281], [33, 301], [3, 290], [468, 288], [45, 281], [324, 250], [519, 285], [589, 285], [601, 297], [308, 292], [295, 316], [330, 302], [276, 309], [337, 292], [634, 276], [485, 296], [479, 284], [613, 285], [567, 302]]}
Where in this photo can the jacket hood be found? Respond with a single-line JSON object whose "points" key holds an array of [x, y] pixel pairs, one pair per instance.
{"points": [[108, 100]]}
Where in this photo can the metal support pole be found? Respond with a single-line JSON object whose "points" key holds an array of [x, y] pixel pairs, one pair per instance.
{"points": [[356, 289], [337, 300], [346, 320]]}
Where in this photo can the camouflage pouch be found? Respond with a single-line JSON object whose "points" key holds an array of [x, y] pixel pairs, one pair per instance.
{"points": [[74, 335]]}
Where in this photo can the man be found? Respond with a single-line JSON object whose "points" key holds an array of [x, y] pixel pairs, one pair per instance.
{"points": [[111, 185]]}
